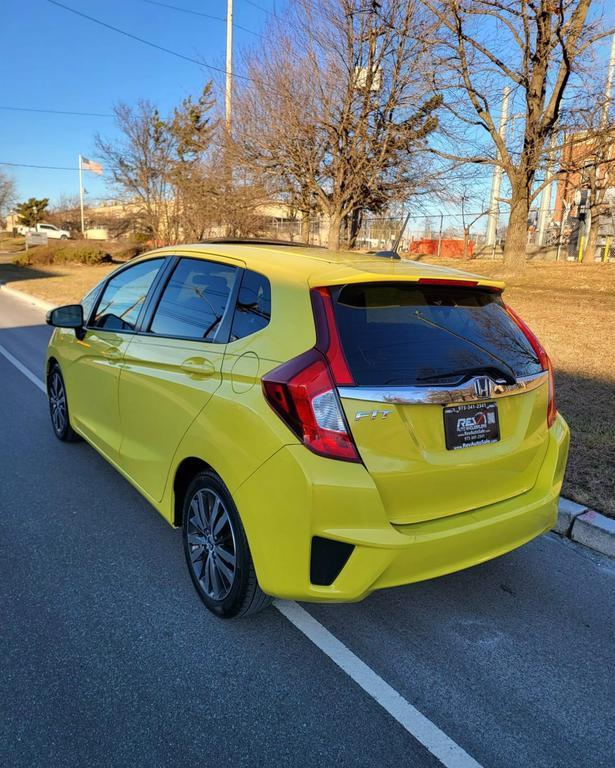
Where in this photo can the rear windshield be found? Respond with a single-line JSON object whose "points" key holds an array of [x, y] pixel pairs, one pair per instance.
{"points": [[404, 334]]}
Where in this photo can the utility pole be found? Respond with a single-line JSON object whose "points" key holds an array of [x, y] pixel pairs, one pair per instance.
{"points": [[81, 196], [608, 91], [496, 183], [229, 65], [545, 197]]}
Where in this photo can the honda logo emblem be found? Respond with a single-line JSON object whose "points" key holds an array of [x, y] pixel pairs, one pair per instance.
{"points": [[482, 387]]}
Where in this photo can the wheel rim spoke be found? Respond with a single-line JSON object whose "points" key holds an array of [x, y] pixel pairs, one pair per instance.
{"points": [[227, 572], [221, 522]]}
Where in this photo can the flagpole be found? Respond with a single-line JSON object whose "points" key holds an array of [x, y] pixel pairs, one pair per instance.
{"points": [[81, 197]]}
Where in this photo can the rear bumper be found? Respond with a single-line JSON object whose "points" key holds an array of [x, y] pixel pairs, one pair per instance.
{"points": [[296, 495]]}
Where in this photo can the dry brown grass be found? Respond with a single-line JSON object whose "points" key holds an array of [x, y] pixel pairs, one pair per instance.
{"points": [[62, 284], [571, 307]]}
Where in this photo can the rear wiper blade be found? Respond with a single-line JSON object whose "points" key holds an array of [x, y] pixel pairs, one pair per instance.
{"points": [[422, 317]]}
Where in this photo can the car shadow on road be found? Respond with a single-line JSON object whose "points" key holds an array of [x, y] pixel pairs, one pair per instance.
{"points": [[12, 273]]}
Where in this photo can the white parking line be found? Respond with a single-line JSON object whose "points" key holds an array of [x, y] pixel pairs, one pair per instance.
{"points": [[448, 752], [22, 368], [429, 735]]}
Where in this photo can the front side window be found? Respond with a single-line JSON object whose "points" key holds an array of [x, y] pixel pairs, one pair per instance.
{"points": [[89, 300], [124, 296], [253, 309], [194, 300]]}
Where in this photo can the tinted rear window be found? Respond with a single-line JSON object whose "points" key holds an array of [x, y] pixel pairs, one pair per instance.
{"points": [[403, 334]]}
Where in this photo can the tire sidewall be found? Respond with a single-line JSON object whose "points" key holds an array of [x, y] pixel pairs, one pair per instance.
{"points": [[231, 604]]}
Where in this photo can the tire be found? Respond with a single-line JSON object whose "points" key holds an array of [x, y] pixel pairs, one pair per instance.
{"points": [[217, 552], [63, 237], [58, 407]]}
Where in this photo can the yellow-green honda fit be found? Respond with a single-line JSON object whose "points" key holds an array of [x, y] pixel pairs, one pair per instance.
{"points": [[320, 425]]}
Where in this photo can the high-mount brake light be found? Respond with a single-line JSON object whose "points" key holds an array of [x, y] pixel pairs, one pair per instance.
{"points": [[459, 283], [303, 391], [543, 358]]}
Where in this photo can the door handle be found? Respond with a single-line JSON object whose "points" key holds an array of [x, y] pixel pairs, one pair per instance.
{"points": [[198, 366], [112, 353]]}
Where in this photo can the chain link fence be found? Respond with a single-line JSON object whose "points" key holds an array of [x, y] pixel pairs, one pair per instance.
{"points": [[552, 234]]}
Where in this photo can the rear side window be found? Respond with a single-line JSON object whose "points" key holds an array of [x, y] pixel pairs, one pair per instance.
{"points": [[124, 295], [404, 334], [253, 308], [194, 300]]}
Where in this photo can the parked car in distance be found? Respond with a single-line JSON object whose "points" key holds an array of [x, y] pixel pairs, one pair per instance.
{"points": [[320, 425], [52, 232]]}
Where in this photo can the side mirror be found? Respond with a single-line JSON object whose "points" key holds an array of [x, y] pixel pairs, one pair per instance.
{"points": [[69, 316]]}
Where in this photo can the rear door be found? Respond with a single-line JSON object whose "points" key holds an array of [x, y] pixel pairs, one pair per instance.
{"points": [[173, 367], [449, 405]]}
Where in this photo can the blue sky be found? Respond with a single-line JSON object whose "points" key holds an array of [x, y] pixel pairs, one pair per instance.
{"points": [[53, 59]]}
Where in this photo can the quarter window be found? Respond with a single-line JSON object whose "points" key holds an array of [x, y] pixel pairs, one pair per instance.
{"points": [[124, 296], [253, 309], [194, 300]]}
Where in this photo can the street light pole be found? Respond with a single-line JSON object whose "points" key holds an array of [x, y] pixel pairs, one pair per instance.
{"points": [[492, 220], [229, 65]]}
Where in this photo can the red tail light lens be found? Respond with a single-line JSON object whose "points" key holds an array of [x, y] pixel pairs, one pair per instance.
{"points": [[543, 358], [303, 391]]}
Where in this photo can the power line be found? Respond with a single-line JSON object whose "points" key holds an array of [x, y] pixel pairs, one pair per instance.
{"points": [[43, 167], [256, 5], [144, 41], [200, 13], [56, 111]]}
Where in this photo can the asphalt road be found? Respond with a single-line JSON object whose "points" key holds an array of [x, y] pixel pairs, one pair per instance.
{"points": [[107, 657]]}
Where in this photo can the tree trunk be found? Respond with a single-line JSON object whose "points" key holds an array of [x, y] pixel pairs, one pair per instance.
{"points": [[335, 227], [591, 242], [355, 226], [306, 222], [516, 234]]}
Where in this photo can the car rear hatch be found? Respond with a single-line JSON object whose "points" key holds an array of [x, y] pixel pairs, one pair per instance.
{"points": [[449, 396]]}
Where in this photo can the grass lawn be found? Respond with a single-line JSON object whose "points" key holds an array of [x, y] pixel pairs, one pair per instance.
{"points": [[10, 244], [57, 284], [571, 307]]}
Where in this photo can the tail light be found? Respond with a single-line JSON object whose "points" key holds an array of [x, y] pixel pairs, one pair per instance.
{"points": [[303, 391], [544, 360]]}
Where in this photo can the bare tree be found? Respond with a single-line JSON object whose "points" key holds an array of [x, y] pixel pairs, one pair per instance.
{"points": [[531, 46], [7, 193], [140, 164], [338, 106]]}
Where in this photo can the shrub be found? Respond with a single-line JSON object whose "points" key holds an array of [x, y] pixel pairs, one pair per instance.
{"points": [[56, 253], [84, 254], [129, 251]]}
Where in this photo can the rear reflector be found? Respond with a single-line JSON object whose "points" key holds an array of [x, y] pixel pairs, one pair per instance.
{"points": [[543, 358]]}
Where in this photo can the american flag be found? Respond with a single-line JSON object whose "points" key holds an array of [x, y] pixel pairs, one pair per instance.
{"points": [[89, 165]]}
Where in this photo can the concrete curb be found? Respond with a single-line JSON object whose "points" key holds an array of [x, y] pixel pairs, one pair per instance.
{"points": [[27, 298], [585, 526]]}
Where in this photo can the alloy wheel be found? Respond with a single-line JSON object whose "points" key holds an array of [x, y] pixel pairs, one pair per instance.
{"points": [[211, 544], [57, 403]]}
